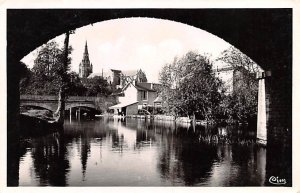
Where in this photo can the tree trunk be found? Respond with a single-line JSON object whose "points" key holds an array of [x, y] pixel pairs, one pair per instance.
{"points": [[60, 112]]}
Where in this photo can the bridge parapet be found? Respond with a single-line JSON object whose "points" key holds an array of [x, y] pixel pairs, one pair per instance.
{"points": [[55, 98], [38, 97], [50, 101]]}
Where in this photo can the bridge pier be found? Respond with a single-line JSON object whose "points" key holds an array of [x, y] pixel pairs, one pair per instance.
{"points": [[13, 119], [78, 113], [70, 114], [274, 108], [261, 110], [278, 89]]}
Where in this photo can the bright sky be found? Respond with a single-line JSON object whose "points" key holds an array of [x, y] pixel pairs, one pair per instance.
{"points": [[134, 43]]}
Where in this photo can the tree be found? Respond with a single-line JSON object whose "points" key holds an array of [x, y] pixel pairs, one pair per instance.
{"points": [[75, 86], [237, 59], [62, 72], [44, 78], [25, 78], [96, 86], [190, 87], [242, 103]]}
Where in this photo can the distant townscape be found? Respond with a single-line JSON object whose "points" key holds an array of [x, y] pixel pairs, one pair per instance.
{"points": [[132, 90], [128, 92]]}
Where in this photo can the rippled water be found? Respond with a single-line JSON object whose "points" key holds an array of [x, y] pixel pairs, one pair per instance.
{"points": [[134, 152]]}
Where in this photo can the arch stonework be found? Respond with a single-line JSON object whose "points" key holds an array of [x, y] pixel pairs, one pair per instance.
{"points": [[50, 102], [52, 107], [92, 106], [250, 30], [40, 105], [265, 35]]}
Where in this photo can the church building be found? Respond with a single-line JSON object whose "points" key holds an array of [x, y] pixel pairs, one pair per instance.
{"points": [[85, 66]]}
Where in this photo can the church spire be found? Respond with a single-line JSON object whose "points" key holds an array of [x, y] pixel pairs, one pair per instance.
{"points": [[85, 67], [86, 52]]}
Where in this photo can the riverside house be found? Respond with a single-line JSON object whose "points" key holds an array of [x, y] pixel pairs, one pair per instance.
{"points": [[134, 96]]}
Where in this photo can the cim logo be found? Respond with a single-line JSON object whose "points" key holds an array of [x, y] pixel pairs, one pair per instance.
{"points": [[277, 180]]}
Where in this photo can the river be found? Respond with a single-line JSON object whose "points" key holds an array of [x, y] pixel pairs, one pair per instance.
{"points": [[135, 152]]}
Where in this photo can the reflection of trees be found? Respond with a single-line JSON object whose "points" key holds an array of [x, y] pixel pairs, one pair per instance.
{"points": [[197, 158], [83, 132], [248, 163], [228, 135], [50, 160], [183, 158]]}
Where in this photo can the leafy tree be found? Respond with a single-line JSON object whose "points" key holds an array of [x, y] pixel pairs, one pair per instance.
{"points": [[241, 105], [45, 76], [190, 87], [237, 59], [96, 86], [25, 78], [75, 86]]}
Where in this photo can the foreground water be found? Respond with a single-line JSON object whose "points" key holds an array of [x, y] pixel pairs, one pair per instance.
{"points": [[133, 152]]}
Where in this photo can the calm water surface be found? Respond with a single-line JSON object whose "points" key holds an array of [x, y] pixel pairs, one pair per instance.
{"points": [[134, 152]]}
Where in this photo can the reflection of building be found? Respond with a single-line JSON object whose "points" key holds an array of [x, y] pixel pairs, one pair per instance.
{"points": [[85, 67]]}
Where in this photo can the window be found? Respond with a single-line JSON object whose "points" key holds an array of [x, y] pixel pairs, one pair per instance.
{"points": [[144, 95]]}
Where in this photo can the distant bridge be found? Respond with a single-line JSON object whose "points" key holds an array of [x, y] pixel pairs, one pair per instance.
{"points": [[51, 102]]}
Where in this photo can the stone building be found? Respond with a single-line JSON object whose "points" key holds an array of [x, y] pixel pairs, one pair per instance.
{"points": [[120, 78]]}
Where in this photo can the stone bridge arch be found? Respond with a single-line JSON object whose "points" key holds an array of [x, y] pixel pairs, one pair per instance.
{"points": [[91, 106], [40, 105]]}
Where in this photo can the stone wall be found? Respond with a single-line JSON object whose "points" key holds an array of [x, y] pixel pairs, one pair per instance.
{"points": [[279, 109]]}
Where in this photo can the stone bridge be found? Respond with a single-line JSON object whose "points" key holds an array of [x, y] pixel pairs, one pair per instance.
{"points": [[51, 102]]}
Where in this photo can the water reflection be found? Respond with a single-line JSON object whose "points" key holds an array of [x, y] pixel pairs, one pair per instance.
{"points": [[134, 152], [50, 160]]}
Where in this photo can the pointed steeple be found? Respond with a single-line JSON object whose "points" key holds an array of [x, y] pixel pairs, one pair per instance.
{"points": [[86, 52], [86, 68]]}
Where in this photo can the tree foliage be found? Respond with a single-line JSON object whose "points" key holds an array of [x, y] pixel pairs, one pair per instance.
{"points": [[241, 105], [96, 86], [75, 86], [48, 75], [190, 87], [237, 59]]}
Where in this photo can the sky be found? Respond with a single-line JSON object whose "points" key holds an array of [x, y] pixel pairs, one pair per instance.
{"points": [[137, 43]]}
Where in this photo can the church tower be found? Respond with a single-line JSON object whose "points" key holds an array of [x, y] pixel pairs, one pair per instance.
{"points": [[85, 67]]}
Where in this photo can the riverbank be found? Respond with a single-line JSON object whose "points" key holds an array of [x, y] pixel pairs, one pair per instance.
{"points": [[183, 120], [162, 118]]}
